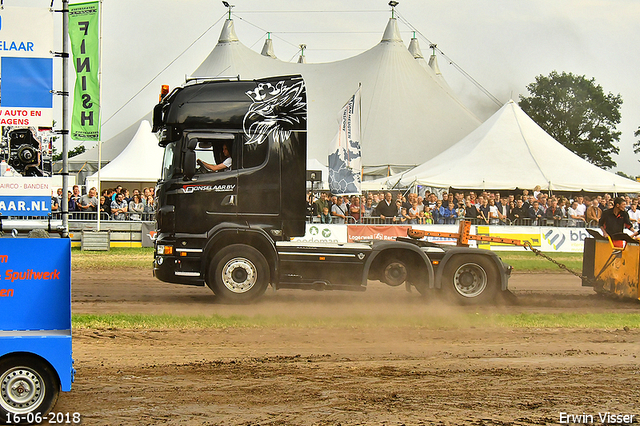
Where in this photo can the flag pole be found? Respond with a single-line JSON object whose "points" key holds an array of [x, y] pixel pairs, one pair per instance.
{"points": [[98, 187], [65, 118]]}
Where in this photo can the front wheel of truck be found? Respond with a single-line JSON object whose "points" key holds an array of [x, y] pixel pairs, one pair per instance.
{"points": [[238, 273], [29, 389]]}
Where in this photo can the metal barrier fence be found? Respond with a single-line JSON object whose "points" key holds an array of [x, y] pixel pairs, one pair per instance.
{"points": [[571, 223], [93, 216]]}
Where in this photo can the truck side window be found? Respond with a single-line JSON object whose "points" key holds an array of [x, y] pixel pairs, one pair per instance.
{"points": [[254, 154], [209, 149]]}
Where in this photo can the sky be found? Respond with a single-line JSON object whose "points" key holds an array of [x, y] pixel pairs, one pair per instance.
{"points": [[501, 44]]}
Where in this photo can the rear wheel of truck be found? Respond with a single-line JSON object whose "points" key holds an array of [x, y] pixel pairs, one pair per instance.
{"points": [[29, 389], [238, 273], [470, 279]]}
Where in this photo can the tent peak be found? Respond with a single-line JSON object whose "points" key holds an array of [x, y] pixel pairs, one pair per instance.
{"points": [[267, 49], [414, 49], [391, 32], [228, 33]]}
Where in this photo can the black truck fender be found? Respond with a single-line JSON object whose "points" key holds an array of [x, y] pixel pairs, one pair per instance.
{"points": [[225, 234], [468, 251], [382, 248]]}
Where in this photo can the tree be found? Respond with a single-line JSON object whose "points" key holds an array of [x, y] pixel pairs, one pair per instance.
{"points": [[636, 146], [72, 153], [577, 113]]}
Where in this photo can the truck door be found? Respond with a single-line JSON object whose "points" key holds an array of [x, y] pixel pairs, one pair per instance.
{"points": [[210, 195]]}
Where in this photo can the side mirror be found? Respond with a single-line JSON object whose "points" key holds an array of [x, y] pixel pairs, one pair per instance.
{"points": [[189, 166]]}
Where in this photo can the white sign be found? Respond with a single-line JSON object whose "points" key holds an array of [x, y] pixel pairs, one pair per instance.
{"points": [[25, 196], [26, 66]]}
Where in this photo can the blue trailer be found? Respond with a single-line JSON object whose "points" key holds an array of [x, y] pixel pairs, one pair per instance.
{"points": [[35, 326]]}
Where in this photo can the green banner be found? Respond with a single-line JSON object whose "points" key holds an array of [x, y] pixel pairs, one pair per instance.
{"points": [[85, 47]]}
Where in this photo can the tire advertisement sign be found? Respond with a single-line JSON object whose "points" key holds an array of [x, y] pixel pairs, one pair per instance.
{"points": [[26, 66], [25, 196]]}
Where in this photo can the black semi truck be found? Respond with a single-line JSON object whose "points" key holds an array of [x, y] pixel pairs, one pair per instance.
{"points": [[231, 228]]}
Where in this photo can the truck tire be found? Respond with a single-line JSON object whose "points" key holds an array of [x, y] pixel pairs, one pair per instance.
{"points": [[238, 273], [470, 279], [27, 385]]}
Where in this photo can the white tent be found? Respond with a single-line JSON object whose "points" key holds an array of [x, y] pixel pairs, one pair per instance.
{"points": [[139, 162], [407, 116], [511, 151]]}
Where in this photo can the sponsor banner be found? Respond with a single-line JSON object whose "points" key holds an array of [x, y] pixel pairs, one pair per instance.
{"points": [[563, 239], [85, 46], [345, 157], [148, 234], [522, 233], [323, 233], [356, 233], [25, 196], [546, 239], [26, 66]]}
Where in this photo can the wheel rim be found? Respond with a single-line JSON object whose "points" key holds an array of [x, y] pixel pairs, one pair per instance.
{"points": [[470, 280], [239, 275], [22, 390]]}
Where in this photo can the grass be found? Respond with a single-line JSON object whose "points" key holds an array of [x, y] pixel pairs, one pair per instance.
{"points": [[137, 321], [114, 258], [526, 261], [522, 261]]}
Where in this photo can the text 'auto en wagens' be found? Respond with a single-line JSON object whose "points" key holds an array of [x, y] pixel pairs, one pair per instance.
{"points": [[231, 230]]}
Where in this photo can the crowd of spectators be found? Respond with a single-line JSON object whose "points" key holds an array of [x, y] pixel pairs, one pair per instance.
{"points": [[491, 208], [114, 203]]}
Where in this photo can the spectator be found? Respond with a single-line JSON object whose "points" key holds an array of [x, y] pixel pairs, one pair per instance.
{"points": [[339, 211], [450, 213], [414, 213], [483, 211], [536, 191], [150, 205], [325, 217], [536, 213], [116, 191], [553, 213], [494, 216], [136, 208], [574, 218], [368, 208], [403, 216], [74, 198], [438, 213], [321, 203], [593, 213], [355, 209], [55, 204], [582, 208], [119, 207], [518, 213], [105, 205], [89, 202], [634, 214], [387, 209], [470, 210]]}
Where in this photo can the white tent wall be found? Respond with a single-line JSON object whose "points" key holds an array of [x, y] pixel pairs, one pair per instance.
{"points": [[138, 165], [510, 151]]}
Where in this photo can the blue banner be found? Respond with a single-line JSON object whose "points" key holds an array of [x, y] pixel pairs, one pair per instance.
{"points": [[25, 205], [35, 284], [27, 82]]}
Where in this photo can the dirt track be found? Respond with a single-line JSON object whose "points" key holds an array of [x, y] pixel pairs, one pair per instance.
{"points": [[346, 375]]}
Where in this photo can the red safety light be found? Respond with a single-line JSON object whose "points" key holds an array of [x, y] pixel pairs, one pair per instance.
{"points": [[164, 91]]}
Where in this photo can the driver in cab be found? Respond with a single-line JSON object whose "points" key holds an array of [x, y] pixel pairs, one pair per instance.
{"points": [[224, 165]]}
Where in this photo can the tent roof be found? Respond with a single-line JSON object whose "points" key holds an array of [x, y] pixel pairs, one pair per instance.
{"points": [[140, 161], [407, 117], [511, 151]]}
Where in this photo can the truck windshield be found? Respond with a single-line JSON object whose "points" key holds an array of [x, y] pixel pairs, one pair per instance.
{"points": [[168, 161]]}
